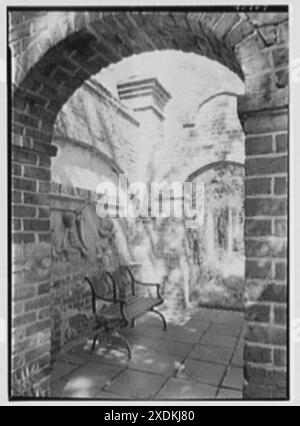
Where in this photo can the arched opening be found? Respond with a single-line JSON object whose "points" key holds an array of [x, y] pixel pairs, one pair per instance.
{"points": [[219, 245], [167, 149], [67, 49]]}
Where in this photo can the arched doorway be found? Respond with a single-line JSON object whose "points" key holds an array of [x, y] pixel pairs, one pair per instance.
{"points": [[220, 242], [60, 52]]}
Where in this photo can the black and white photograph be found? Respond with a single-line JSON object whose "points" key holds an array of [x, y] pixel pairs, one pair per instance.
{"points": [[148, 205]]}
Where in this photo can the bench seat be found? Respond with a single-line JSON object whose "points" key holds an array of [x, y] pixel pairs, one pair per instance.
{"points": [[136, 306], [122, 311]]}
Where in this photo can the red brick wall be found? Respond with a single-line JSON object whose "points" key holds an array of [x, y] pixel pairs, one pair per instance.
{"points": [[266, 251], [31, 257]]}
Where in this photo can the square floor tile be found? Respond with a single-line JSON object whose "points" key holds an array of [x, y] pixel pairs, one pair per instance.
{"points": [[61, 370], [207, 315], [172, 348], [234, 378], [212, 339], [102, 355], [226, 329], [202, 372], [71, 359], [142, 341], [197, 329], [57, 389], [137, 385], [211, 354], [72, 391], [229, 394], [143, 330], [183, 334], [151, 361], [82, 349], [176, 389], [230, 318], [198, 325], [89, 378]]}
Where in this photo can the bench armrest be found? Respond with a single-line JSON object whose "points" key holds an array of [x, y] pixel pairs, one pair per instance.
{"points": [[150, 285]]}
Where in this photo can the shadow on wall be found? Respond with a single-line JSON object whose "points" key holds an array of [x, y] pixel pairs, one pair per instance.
{"points": [[202, 266], [167, 252]]}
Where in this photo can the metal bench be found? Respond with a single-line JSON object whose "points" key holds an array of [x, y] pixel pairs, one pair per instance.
{"points": [[125, 305]]}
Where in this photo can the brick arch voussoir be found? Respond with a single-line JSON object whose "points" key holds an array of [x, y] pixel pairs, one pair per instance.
{"points": [[182, 32], [124, 34], [50, 83]]}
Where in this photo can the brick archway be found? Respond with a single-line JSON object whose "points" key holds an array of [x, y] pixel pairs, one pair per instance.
{"points": [[53, 53]]}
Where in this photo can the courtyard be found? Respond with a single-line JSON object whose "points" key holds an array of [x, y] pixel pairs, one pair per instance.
{"points": [[200, 359]]}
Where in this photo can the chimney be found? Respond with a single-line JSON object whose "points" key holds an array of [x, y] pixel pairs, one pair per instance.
{"points": [[148, 99]]}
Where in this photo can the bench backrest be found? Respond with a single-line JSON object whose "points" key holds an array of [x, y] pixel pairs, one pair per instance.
{"points": [[124, 282], [102, 285], [116, 285]]}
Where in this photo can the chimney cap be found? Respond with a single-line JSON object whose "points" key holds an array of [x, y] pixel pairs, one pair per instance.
{"points": [[142, 92], [145, 80]]}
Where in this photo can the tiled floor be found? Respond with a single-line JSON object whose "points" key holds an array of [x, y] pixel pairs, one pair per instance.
{"points": [[199, 360]]}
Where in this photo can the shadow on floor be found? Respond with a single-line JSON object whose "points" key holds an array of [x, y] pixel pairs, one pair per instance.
{"points": [[201, 359]]}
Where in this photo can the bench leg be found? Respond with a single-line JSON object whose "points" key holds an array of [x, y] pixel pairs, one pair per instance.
{"points": [[94, 343], [162, 317], [133, 323], [127, 345]]}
